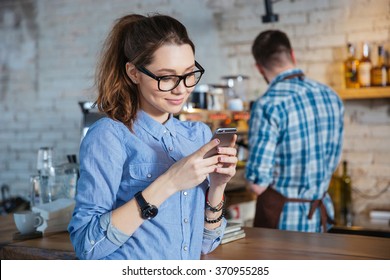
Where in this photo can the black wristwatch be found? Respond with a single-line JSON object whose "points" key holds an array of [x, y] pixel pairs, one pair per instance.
{"points": [[148, 211]]}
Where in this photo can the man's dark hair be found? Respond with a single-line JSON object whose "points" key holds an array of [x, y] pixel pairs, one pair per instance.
{"points": [[271, 47]]}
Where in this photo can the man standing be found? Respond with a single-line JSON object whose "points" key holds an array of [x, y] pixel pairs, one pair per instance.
{"points": [[295, 140]]}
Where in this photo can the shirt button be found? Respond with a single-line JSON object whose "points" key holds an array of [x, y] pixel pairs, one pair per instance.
{"points": [[165, 131], [185, 248], [92, 242], [149, 175], [185, 193], [171, 148], [186, 220]]}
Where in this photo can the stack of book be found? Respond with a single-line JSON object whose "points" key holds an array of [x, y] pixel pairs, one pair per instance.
{"points": [[56, 215], [381, 216], [233, 232]]}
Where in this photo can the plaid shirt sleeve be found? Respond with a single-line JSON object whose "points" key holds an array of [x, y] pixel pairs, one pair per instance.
{"points": [[264, 132]]}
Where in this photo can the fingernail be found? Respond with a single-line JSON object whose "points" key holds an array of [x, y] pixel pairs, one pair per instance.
{"points": [[217, 140]]}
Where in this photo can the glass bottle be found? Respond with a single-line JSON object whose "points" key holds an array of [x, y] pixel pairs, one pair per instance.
{"points": [[335, 193], [364, 70], [346, 204], [46, 173], [379, 72], [387, 57], [351, 65]]}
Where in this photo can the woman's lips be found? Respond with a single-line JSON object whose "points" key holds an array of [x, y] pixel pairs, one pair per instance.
{"points": [[175, 101]]}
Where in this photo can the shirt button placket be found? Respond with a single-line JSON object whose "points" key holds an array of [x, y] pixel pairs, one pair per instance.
{"points": [[168, 142], [185, 225]]}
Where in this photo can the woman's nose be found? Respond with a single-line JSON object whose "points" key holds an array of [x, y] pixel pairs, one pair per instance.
{"points": [[180, 88]]}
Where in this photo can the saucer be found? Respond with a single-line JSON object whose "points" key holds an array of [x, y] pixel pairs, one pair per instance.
{"points": [[19, 236]]}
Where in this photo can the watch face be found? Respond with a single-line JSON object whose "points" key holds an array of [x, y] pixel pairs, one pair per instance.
{"points": [[149, 212]]}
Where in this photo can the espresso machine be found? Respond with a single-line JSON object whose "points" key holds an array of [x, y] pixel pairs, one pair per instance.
{"points": [[90, 115]]}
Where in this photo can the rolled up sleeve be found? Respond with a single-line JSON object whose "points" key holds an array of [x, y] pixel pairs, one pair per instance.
{"points": [[212, 238]]}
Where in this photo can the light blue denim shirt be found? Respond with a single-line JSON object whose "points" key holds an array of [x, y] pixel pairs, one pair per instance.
{"points": [[114, 165]]}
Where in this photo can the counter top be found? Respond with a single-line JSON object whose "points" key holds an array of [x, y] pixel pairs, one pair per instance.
{"points": [[52, 246], [271, 244], [362, 224], [259, 243]]}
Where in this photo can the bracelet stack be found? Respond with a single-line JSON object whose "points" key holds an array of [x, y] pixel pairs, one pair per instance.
{"points": [[207, 220], [218, 208]]}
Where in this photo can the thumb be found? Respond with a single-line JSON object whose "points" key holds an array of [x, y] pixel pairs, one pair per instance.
{"points": [[209, 149]]}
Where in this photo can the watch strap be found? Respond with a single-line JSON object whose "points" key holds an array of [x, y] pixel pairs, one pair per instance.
{"points": [[140, 199]]}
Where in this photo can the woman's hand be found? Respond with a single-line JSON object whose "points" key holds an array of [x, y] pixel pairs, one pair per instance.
{"points": [[194, 169], [226, 166], [225, 170]]}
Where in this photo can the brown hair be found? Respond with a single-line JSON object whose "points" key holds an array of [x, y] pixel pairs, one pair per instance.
{"points": [[134, 38], [271, 47]]}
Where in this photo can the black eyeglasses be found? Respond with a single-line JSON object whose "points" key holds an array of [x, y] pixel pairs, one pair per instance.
{"points": [[169, 82]]}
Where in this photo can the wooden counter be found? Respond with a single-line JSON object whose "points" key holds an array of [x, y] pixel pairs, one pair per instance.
{"points": [[270, 244], [54, 246], [259, 243]]}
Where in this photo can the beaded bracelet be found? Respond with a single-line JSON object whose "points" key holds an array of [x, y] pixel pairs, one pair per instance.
{"points": [[217, 208], [207, 220]]}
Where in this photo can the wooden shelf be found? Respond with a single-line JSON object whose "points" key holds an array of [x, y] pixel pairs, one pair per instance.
{"points": [[216, 119], [364, 93]]}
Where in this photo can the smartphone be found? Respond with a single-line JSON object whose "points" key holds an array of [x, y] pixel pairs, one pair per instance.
{"points": [[225, 136]]}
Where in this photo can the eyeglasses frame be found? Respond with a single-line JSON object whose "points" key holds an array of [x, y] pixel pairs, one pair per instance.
{"points": [[181, 77]]}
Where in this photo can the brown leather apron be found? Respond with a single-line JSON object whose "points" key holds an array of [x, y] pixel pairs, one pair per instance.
{"points": [[270, 205]]}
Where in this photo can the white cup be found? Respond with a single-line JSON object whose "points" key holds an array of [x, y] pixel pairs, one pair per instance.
{"points": [[27, 221], [235, 104]]}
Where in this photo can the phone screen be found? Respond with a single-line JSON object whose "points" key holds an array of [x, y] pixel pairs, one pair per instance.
{"points": [[225, 136]]}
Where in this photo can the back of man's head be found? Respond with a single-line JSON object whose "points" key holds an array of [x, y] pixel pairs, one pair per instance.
{"points": [[272, 48]]}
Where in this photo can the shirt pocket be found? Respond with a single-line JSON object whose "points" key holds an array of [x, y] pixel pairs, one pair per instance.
{"points": [[143, 174], [146, 173]]}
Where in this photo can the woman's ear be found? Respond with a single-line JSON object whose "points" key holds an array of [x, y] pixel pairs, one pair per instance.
{"points": [[132, 72]]}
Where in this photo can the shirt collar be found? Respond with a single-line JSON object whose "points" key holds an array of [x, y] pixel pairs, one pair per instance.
{"points": [[153, 127], [281, 76]]}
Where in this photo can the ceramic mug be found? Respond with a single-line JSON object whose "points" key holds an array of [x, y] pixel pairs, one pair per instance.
{"points": [[27, 221]]}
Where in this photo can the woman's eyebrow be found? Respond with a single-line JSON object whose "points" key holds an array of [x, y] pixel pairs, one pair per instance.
{"points": [[174, 71]]}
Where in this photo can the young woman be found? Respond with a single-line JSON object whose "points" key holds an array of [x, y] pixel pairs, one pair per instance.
{"points": [[145, 189]]}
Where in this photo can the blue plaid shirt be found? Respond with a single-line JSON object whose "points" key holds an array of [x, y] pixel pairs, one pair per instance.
{"points": [[295, 139]]}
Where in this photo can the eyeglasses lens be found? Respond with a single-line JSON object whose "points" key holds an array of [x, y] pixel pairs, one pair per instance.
{"points": [[170, 82]]}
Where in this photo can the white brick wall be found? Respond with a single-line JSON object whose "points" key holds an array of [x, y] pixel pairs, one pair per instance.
{"points": [[48, 51]]}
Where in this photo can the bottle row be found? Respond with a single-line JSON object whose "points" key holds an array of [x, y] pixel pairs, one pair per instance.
{"points": [[362, 72]]}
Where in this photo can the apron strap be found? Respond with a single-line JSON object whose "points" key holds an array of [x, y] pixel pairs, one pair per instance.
{"points": [[317, 203]]}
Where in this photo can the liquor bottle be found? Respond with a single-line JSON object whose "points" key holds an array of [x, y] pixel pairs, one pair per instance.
{"points": [[351, 65], [379, 72], [364, 70], [387, 56], [346, 202], [334, 191]]}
